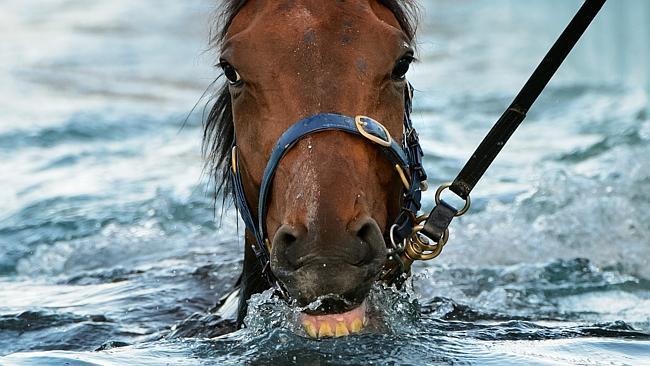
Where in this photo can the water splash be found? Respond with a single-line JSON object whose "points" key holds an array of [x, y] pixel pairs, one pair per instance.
{"points": [[389, 310], [567, 216]]}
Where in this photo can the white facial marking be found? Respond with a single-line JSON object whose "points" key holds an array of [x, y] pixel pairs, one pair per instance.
{"points": [[311, 185]]}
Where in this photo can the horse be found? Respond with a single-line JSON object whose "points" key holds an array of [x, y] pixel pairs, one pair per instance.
{"points": [[310, 135]]}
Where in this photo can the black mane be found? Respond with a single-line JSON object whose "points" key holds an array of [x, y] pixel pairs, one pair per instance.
{"points": [[218, 127]]}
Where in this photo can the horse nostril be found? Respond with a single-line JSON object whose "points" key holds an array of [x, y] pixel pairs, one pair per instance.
{"points": [[286, 243], [360, 244], [285, 236], [364, 232], [369, 235]]}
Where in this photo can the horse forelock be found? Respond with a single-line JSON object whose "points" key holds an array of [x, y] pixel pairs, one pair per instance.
{"points": [[218, 126]]}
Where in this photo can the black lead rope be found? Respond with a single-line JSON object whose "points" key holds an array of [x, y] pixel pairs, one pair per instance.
{"points": [[436, 225]]}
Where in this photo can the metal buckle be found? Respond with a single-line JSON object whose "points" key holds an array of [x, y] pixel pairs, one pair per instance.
{"points": [[373, 130]]}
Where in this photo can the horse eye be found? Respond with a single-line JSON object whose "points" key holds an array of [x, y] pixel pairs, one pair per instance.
{"points": [[401, 68], [230, 72]]}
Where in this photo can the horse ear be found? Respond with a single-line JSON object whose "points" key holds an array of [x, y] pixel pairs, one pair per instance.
{"points": [[384, 12], [401, 14]]}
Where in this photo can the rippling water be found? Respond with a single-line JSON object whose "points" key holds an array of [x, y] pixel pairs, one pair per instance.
{"points": [[110, 253]]}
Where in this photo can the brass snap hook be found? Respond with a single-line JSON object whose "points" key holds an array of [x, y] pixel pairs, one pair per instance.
{"points": [[419, 247]]}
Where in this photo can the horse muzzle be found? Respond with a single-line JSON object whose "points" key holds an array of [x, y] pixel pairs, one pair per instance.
{"points": [[329, 272]]}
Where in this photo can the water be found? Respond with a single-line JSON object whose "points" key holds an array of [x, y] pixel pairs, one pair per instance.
{"points": [[109, 253]]}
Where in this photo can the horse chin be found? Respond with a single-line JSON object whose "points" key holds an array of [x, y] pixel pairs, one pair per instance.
{"points": [[331, 295], [319, 325]]}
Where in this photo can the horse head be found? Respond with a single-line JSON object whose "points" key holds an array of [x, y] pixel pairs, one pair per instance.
{"points": [[332, 197]]}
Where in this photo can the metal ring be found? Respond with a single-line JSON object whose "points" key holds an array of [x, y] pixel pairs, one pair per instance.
{"points": [[360, 127], [420, 240], [468, 201], [421, 249], [432, 254], [420, 219], [418, 228], [392, 239], [417, 251]]}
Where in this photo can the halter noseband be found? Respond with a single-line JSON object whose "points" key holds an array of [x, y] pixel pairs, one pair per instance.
{"points": [[406, 157]]}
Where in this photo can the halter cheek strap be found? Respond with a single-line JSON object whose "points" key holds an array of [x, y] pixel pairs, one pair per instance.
{"points": [[405, 158]]}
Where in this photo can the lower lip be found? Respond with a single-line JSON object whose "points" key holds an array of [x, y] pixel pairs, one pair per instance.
{"points": [[335, 325]]}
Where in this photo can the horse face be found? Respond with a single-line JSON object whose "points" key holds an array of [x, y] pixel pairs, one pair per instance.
{"points": [[334, 194]]}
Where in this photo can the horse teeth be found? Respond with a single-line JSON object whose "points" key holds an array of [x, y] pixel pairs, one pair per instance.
{"points": [[310, 328], [341, 330], [325, 330], [356, 326], [335, 325]]}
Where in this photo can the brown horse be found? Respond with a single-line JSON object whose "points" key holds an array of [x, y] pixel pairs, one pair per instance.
{"points": [[334, 196]]}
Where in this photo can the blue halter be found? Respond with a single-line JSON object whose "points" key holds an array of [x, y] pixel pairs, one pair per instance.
{"points": [[405, 158]]}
